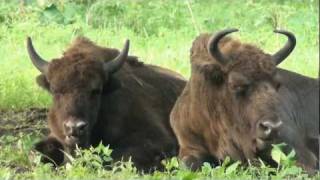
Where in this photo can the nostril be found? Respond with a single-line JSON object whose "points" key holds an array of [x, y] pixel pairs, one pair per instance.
{"points": [[81, 125], [268, 127], [68, 129], [67, 126], [265, 128], [75, 128], [272, 124]]}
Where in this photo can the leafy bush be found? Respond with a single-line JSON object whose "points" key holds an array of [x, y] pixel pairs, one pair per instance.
{"points": [[97, 163], [143, 17]]}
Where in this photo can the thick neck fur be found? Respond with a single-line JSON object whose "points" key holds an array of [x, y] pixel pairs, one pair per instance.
{"points": [[224, 135]]}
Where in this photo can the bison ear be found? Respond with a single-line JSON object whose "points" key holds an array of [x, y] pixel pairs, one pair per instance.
{"points": [[111, 85], [51, 150], [213, 73], [278, 79], [43, 82]]}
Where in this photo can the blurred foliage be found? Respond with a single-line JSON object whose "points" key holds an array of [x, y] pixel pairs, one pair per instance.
{"points": [[161, 31], [144, 17], [90, 164]]}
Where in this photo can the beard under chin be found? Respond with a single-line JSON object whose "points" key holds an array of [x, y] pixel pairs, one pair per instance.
{"points": [[74, 142]]}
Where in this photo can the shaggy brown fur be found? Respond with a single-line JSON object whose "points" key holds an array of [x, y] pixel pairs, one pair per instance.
{"points": [[128, 110], [222, 108]]}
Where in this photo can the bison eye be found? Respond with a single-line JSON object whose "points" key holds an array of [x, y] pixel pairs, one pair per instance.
{"points": [[277, 85], [241, 90], [95, 92], [57, 94]]}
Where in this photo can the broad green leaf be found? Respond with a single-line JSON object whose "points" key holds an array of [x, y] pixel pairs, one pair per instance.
{"points": [[277, 154], [233, 167], [51, 14], [226, 161]]}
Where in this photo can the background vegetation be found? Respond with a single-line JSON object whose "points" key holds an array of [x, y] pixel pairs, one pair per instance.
{"points": [[161, 33]]}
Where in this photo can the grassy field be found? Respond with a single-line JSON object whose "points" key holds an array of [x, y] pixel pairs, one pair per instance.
{"points": [[161, 33]]}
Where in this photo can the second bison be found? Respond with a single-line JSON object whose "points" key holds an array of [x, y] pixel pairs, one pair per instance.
{"points": [[237, 103]]}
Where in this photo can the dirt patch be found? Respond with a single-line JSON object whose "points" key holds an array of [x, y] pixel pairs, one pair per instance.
{"points": [[13, 122]]}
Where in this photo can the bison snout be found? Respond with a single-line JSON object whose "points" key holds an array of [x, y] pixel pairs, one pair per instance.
{"points": [[75, 128], [267, 128]]}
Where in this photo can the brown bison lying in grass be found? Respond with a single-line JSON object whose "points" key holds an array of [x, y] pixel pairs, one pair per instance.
{"points": [[103, 95], [238, 102]]}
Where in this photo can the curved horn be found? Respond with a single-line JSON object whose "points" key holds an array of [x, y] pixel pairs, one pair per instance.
{"points": [[37, 61], [213, 45], [284, 52], [114, 65]]}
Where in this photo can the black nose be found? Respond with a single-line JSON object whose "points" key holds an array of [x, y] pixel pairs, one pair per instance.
{"points": [[267, 128], [75, 128]]}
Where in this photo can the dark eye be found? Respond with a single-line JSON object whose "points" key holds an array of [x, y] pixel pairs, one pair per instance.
{"points": [[95, 92], [241, 90], [277, 85], [57, 95]]}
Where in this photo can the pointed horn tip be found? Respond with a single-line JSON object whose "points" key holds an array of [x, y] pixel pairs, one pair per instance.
{"points": [[282, 32], [220, 34], [212, 44], [29, 41], [224, 32], [278, 31], [285, 51], [126, 46], [290, 35], [232, 30], [227, 31], [127, 43]]}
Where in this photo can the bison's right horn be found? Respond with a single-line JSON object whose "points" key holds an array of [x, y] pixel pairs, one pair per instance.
{"points": [[213, 45], [284, 52], [37, 61], [114, 65]]}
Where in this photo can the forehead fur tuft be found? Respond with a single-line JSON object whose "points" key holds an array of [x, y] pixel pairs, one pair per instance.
{"points": [[245, 58], [82, 46], [251, 62]]}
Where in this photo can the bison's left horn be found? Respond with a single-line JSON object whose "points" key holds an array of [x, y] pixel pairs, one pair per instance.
{"points": [[114, 65], [37, 61], [284, 52], [213, 45]]}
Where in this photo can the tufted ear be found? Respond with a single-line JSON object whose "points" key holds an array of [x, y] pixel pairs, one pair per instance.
{"points": [[134, 61], [212, 72], [51, 149], [43, 82], [111, 85]]}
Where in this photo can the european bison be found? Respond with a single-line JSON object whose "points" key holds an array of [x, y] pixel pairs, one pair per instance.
{"points": [[237, 102], [101, 95]]}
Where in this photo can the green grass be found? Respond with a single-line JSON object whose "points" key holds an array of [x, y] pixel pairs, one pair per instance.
{"points": [[161, 33], [24, 164]]}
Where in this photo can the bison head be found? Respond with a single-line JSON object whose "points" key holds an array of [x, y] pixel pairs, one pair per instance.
{"points": [[250, 83], [77, 82]]}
